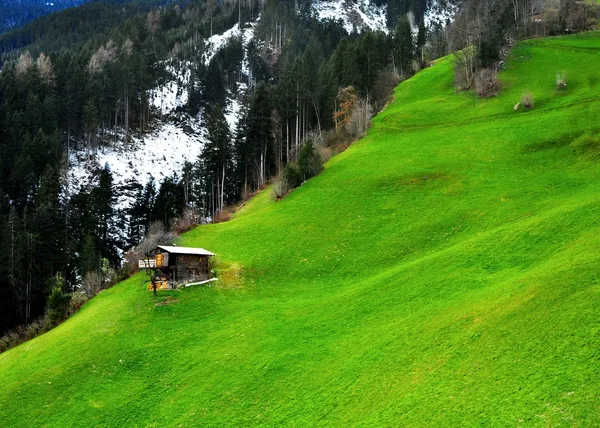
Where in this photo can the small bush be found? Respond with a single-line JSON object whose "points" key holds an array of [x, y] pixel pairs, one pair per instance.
{"points": [[561, 81], [4, 344], [281, 187], [34, 329], [486, 83], [23, 333], [309, 161], [187, 221], [383, 87], [324, 152], [292, 175], [222, 216], [527, 100], [360, 120], [92, 283], [60, 306], [77, 301], [416, 66], [464, 70], [58, 303]]}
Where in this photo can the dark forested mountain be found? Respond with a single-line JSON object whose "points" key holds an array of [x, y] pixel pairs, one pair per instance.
{"points": [[14, 13], [74, 26]]}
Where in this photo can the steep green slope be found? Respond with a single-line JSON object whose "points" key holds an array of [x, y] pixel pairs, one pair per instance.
{"points": [[442, 271]]}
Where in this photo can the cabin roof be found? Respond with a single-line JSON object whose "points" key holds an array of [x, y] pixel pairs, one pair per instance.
{"points": [[186, 250]]}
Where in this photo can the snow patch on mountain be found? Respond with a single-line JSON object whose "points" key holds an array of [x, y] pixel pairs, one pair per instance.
{"points": [[216, 42], [174, 94], [233, 110], [439, 13], [355, 15]]}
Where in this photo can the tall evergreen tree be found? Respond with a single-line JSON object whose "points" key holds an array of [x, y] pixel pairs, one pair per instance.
{"points": [[259, 135], [403, 46], [216, 162]]}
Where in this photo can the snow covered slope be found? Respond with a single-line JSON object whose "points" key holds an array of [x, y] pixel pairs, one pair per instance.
{"points": [[176, 138], [356, 15]]}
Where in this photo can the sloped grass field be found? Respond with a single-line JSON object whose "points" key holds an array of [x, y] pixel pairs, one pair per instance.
{"points": [[443, 271]]}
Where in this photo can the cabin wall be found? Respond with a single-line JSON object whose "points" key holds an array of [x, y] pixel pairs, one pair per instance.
{"points": [[191, 268]]}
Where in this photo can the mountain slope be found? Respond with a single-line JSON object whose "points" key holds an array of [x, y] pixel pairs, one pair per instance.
{"points": [[14, 13], [442, 271]]}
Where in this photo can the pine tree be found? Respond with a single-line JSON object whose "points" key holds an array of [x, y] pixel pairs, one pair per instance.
{"points": [[169, 201], [90, 258], [217, 160], [213, 87], [421, 40], [103, 198], [259, 136], [242, 154], [403, 46]]}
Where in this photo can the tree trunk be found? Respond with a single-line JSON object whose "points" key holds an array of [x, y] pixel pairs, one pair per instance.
{"points": [[287, 140], [116, 112], [223, 190], [126, 115], [297, 119]]}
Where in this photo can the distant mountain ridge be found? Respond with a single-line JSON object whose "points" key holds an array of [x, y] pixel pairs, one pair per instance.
{"points": [[14, 13]]}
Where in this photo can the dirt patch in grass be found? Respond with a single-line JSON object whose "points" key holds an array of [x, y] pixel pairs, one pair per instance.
{"points": [[424, 179], [419, 181], [540, 146], [587, 144], [231, 275], [168, 301]]}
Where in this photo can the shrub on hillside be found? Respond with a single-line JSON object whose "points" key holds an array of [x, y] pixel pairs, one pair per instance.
{"points": [[92, 283], [187, 221], [324, 152], [289, 179], [561, 81], [383, 88], [416, 66], [58, 304], [222, 216], [291, 175], [309, 164], [487, 83], [527, 100], [309, 161], [464, 68], [281, 187], [77, 301], [360, 119], [23, 333]]}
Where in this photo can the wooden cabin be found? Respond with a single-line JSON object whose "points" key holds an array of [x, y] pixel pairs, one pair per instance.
{"points": [[174, 266]]}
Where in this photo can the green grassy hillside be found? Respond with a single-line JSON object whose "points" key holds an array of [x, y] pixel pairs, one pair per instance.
{"points": [[443, 271]]}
